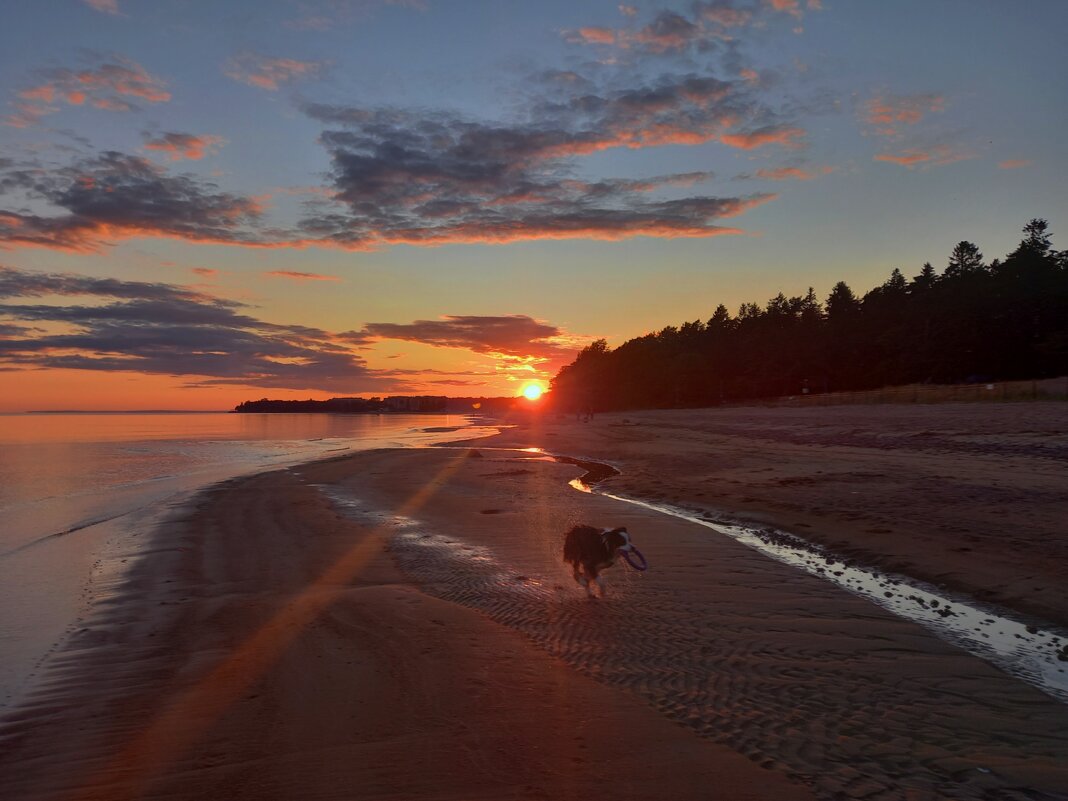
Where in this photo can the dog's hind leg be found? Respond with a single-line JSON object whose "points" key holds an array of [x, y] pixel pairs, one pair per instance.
{"points": [[600, 584], [593, 577], [579, 578]]}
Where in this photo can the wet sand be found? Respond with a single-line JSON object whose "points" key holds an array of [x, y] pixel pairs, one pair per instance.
{"points": [[969, 497], [272, 649], [397, 624]]}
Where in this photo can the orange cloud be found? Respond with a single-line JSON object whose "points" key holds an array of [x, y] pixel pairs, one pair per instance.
{"points": [[103, 6], [723, 14], [771, 135], [886, 113], [594, 35], [293, 275], [27, 114], [925, 157], [786, 173], [184, 146], [525, 232], [127, 78], [270, 73], [205, 272], [105, 87], [668, 31], [906, 159], [791, 7], [1014, 164], [517, 344], [44, 94]]}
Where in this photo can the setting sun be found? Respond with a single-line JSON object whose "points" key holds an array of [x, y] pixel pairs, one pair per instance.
{"points": [[532, 391]]}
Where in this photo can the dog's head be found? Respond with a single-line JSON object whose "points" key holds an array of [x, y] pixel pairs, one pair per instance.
{"points": [[616, 539]]}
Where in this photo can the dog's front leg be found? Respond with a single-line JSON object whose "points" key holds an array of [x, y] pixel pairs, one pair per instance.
{"points": [[585, 582], [601, 586]]}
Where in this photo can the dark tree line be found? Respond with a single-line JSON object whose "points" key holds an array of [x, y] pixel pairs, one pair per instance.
{"points": [[975, 322]]}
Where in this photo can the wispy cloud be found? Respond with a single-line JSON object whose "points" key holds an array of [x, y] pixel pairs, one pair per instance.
{"points": [[133, 326], [108, 86], [110, 325], [518, 344], [103, 6], [933, 156], [785, 135], [271, 73], [592, 35], [886, 114], [177, 146], [294, 275], [673, 32], [791, 7], [724, 14], [668, 32], [510, 335], [793, 173], [1014, 164], [912, 138], [115, 196]]}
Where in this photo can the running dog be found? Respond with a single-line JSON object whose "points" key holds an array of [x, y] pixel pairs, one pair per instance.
{"points": [[590, 550]]}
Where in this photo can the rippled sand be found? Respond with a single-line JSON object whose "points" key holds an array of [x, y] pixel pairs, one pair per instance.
{"points": [[398, 624], [968, 496], [270, 648], [796, 674]]}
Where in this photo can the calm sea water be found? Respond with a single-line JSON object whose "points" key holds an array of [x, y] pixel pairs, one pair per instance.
{"points": [[79, 490]]}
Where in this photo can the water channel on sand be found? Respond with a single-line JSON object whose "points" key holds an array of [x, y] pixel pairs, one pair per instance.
{"points": [[1032, 652]]}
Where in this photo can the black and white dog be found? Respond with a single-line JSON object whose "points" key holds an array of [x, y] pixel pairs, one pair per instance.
{"points": [[590, 550]]}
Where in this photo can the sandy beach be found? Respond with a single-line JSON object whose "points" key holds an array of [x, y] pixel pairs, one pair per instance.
{"points": [[397, 624], [973, 497]]}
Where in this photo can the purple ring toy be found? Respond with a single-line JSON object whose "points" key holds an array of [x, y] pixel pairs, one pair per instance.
{"points": [[627, 556]]}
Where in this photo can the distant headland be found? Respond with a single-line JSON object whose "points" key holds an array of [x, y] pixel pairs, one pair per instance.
{"points": [[396, 404]]}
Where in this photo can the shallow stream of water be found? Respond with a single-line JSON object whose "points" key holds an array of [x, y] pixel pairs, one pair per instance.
{"points": [[1032, 651], [1035, 653]]}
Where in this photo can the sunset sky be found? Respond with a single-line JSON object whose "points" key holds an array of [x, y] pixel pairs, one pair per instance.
{"points": [[206, 202]]}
